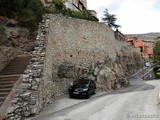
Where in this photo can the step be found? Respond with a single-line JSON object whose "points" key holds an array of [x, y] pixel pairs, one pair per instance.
{"points": [[6, 86], [11, 73], [5, 89], [16, 66], [6, 82], [2, 82], [2, 99], [10, 76], [4, 94]]}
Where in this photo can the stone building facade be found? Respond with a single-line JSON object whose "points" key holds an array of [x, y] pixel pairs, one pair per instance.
{"points": [[67, 49], [76, 4]]}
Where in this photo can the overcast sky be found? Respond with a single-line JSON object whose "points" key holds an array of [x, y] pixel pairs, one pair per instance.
{"points": [[134, 16]]}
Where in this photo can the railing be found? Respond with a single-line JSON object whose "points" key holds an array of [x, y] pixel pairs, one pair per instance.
{"points": [[148, 74]]}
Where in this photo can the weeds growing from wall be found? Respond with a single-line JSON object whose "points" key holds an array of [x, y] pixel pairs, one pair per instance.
{"points": [[57, 7], [29, 12]]}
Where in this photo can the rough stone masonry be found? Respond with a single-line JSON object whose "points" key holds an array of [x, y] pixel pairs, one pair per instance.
{"points": [[67, 49], [79, 48]]}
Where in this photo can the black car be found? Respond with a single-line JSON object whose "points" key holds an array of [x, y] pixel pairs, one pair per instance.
{"points": [[82, 88]]}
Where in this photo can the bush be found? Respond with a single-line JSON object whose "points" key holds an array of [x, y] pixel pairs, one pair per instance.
{"points": [[28, 12], [79, 14], [156, 51], [58, 7]]}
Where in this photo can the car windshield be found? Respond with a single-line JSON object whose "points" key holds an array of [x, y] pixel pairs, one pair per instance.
{"points": [[82, 82]]}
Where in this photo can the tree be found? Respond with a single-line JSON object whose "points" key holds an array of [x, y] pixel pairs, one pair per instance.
{"points": [[156, 51], [27, 12], [9, 8], [110, 19]]}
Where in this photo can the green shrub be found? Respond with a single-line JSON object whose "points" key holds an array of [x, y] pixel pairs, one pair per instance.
{"points": [[158, 38], [79, 14], [58, 7], [28, 12], [156, 51]]}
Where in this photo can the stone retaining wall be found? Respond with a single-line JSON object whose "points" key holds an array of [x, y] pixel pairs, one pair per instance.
{"points": [[28, 100], [66, 50], [79, 48]]}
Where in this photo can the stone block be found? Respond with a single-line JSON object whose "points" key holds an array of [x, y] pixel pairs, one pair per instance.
{"points": [[66, 70], [34, 110], [35, 87], [25, 76], [26, 94], [24, 86], [26, 113]]}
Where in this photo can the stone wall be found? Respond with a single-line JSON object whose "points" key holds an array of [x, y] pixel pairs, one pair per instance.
{"points": [[66, 50], [79, 48], [28, 99]]}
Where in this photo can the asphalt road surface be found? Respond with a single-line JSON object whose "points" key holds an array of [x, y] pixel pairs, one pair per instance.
{"points": [[136, 102]]}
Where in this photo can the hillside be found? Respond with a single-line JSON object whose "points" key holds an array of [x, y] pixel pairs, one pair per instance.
{"points": [[146, 36], [14, 40]]}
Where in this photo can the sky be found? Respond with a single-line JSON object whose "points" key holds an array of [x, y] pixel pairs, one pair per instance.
{"points": [[134, 16]]}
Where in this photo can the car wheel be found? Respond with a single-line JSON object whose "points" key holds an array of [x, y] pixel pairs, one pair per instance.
{"points": [[70, 96], [94, 92], [88, 96]]}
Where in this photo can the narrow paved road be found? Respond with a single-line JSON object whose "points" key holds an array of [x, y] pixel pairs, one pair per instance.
{"points": [[136, 102]]}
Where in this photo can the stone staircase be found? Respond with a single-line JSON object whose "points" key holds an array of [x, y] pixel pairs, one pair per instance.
{"points": [[9, 80]]}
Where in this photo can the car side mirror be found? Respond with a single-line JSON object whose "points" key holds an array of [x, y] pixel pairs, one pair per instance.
{"points": [[74, 82]]}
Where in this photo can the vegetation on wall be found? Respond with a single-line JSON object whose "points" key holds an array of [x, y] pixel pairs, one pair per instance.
{"points": [[156, 51], [156, 57], [158, 38], [84, 14], [58, 7], [28, 12]]}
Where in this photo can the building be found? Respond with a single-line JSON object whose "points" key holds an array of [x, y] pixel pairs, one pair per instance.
{"points": [[119, 36], [147, 49], [146, 46], [130, 38], [71, 4], [77, 5], [137, 43], [93, 13]]}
